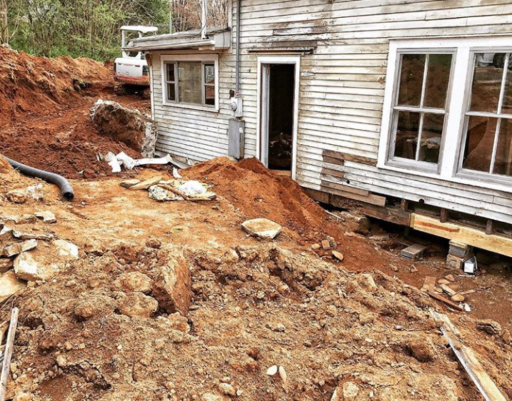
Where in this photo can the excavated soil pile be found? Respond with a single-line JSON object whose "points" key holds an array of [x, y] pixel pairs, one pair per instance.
{"points": [[32, 85], [258, 192], [100, 331], [44, 113]]}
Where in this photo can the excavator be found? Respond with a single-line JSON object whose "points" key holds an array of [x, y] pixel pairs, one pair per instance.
{"points": [[131, 71]]}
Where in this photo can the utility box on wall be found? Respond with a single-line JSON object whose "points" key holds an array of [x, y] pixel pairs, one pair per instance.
{"points": [[236, 138]]}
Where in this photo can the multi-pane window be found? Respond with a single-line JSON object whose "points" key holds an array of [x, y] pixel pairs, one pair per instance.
{"points": [[420, 106], [488, 127], [190, 82]]}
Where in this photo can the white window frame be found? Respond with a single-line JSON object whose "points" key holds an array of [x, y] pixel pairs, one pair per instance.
{"points": [[204, 59], [450, 156]]}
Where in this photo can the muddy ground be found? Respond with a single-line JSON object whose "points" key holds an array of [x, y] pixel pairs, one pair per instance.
{"points": [[360, 327]]}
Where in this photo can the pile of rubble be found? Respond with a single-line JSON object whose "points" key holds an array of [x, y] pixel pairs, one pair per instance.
{"points": [[171, 190], [248, 323], [30, 251]]}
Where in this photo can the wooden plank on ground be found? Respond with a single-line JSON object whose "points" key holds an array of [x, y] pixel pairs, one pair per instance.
{"points": [[469, 361], [9, 345], [466, 235], [444, 300]]}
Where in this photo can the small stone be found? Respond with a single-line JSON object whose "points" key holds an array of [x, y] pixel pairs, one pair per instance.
{"points": [[153, 243], [450, 278], [16, 249], [280, 328], [421, 348], [458, 298], [262, 228], [136, 304], [85, 309], [62, 361], [367, 283], [332, 242], [5, 265], [338, 255], [17, 196], [443, 282], [66, 249], [489, 326], [212, 397], [326, 245], [350, 391], [179, 322], [315, 247], [227, 389], [47, 217], [134, 281]]}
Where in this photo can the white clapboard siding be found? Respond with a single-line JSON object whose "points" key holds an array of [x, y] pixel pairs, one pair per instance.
{"points": [[341, 89]]}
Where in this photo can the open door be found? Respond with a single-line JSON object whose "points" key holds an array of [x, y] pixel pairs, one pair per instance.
{"points": [[278, 114]]}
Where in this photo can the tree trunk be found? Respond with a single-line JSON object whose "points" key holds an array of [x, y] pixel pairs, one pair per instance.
{"points": [[4, 23]]}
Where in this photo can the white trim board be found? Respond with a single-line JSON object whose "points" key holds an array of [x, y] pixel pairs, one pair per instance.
{"points": [[275, 59], [458, 95]]}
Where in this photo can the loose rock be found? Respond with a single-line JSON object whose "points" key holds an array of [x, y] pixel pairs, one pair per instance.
{"points": [[137, 304], [134, 282], [262, 228]]}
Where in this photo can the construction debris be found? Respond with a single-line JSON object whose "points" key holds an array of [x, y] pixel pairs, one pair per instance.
{"points": [[469, 361], [47, 217], [17, 248], [262, 228], [414, 252], [9, 347]]}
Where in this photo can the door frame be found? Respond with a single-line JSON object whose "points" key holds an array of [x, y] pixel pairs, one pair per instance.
{"points": [[276, 59]]}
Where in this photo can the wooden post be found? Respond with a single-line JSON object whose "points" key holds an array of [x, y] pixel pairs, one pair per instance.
{"points": [[489, 229], [404, 204], [444, 215], [9, 345]]}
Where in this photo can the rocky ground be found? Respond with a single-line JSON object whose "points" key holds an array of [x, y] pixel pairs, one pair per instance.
{"points": [[174, 301]]}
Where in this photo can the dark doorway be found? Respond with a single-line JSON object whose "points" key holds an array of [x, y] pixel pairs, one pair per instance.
{"points": [[281, 92]]}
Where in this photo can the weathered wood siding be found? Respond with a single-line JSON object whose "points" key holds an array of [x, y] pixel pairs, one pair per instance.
{"points": [[342, 86], [341, 90], [193, 135]]}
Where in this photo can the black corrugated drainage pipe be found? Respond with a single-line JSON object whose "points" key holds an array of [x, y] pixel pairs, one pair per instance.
{"points": [[65, 187]]}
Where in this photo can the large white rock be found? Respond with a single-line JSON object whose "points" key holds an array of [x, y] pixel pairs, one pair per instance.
{"points": [[42, 264], [262, 228]]}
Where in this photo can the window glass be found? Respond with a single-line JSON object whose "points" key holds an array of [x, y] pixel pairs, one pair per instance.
{"points": [[209, 96], [171, 92], [170, 73], [431, 136], [438, 78], [209, 74], [486, 88], [407, 134], [479, 143], [507, 96], [411, 79], [190, 82], [503, 164]]}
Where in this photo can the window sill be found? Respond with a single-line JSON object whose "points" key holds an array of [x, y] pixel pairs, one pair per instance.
{"points": [[189, 106], [463, 178]]}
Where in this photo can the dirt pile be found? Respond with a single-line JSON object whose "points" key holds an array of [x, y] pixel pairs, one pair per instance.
{"points": [[32, 85], [260, 193], [99, 332], [44, 113]]}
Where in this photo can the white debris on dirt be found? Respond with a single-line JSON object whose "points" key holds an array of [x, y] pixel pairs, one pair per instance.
{"points": [[131, 127], [47, 217]]}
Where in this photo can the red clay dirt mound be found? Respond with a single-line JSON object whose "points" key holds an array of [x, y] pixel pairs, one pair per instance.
{"points": [[39, 85], [44, 113], [258, 192]]}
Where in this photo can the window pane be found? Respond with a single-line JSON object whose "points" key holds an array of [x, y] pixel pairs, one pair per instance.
{"points": [[439, 66], [170, 73], [431, 137], [209, 74], [411, 79], [209, 95], [487, 79], [190, 83], [171, 92], [507, 99], [407, 134], [503, 163], [479, 143]]}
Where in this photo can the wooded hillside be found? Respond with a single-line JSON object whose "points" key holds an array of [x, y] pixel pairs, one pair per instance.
{"points": [[90, 28]]}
